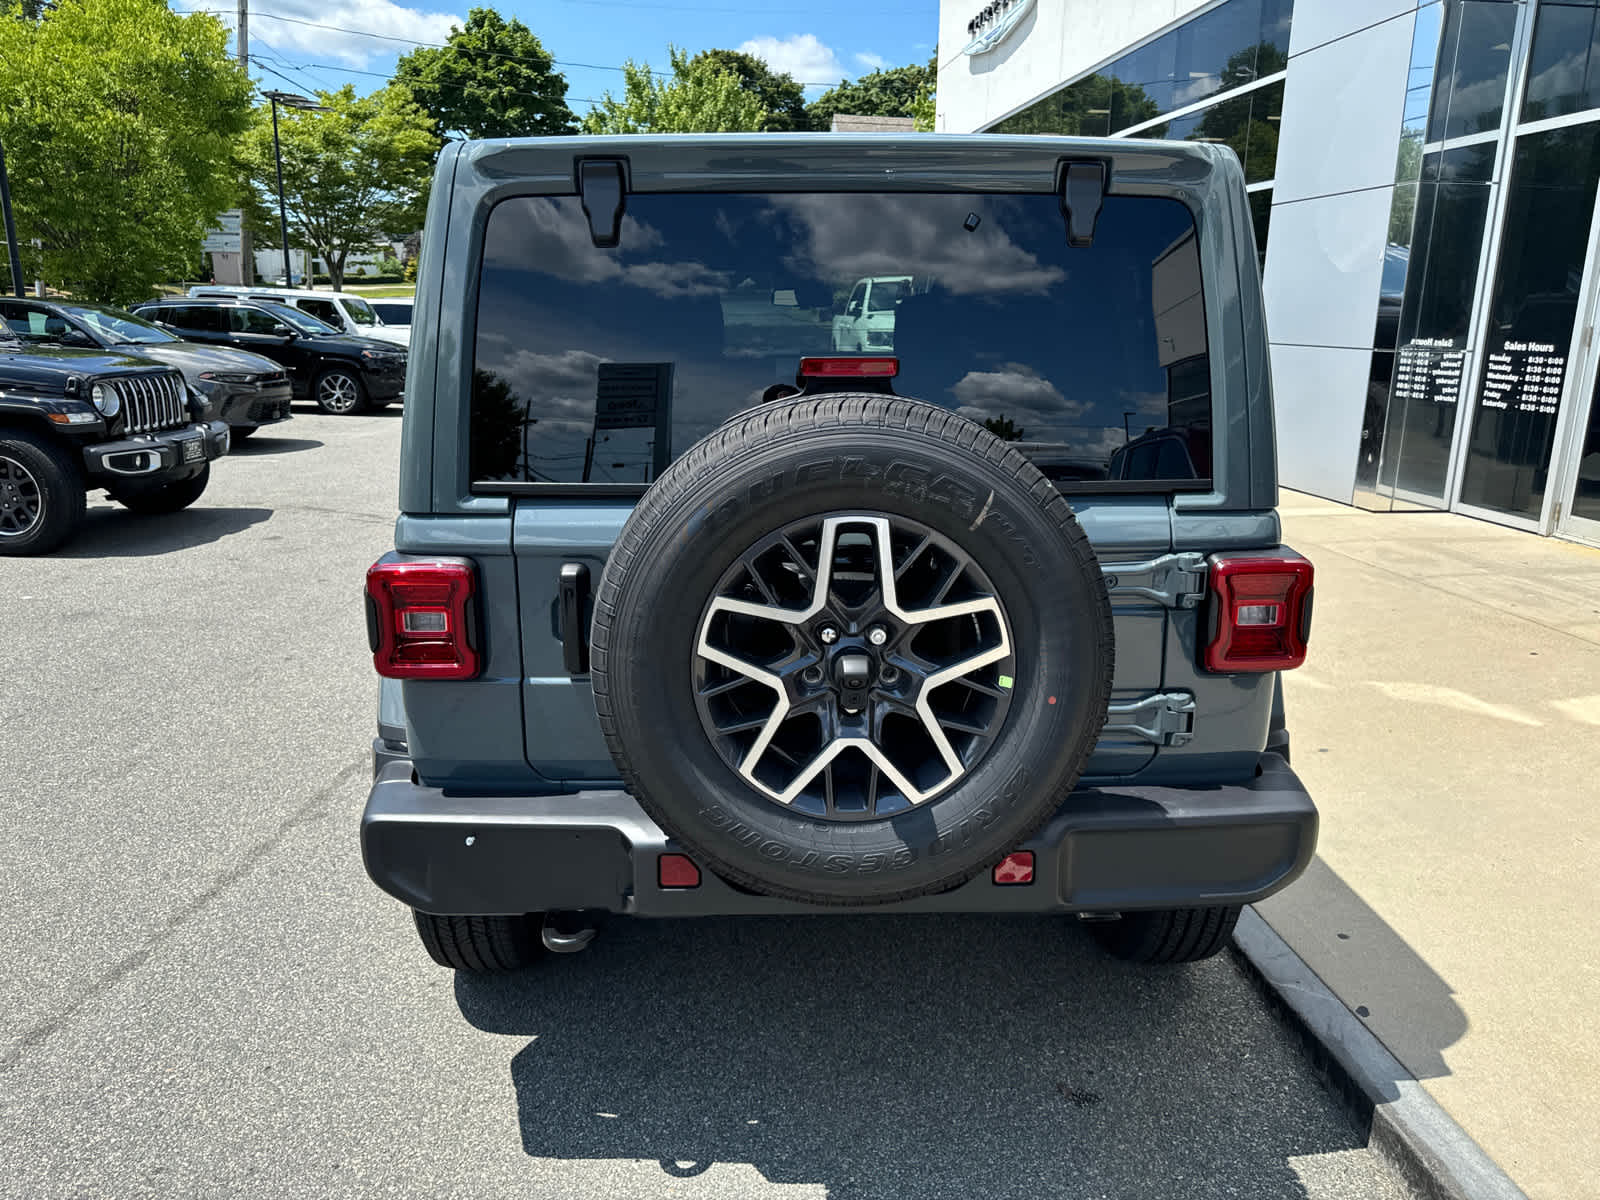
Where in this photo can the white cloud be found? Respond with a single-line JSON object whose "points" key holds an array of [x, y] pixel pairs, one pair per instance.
{"points": [[802, 55], [351, 49], [872, 62]]}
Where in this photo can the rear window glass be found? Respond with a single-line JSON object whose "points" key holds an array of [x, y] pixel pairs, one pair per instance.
{"points": [[600, 365]]}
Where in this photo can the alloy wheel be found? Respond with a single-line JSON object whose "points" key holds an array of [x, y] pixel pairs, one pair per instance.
{"points": [[853, 665], [338, 393], [21, 499]]}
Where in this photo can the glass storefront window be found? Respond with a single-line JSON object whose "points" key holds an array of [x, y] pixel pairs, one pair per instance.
{"points": [[1247, 124], [1474, 56], [1586, 496], [1532, 311], [1228, 47], [1564, 66], [1261, 219]]}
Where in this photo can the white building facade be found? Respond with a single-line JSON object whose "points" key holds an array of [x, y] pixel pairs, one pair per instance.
{"points": [[1422, 179]]}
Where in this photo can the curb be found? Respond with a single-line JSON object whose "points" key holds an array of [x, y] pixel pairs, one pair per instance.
{"points": [[1406, 1127]]}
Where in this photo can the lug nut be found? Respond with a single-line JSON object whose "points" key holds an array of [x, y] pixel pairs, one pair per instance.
{"points": [[877, 635], [812, 675], [828, 634], [888, 675]]}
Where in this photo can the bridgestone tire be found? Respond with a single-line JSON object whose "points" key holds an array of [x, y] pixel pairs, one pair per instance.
{"points": [[1172, 935], [484, 944], [798, 459], [167, 497], [61, 492]]}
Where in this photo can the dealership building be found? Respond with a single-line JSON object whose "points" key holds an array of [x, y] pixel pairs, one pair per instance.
{"points": [[1422, 182]]}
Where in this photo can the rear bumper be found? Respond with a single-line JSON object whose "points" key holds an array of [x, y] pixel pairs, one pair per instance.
{"points": [[1105, 850]]}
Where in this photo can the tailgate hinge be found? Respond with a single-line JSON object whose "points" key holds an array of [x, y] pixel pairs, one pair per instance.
{"points": [[1175, 580], [1163, 720]]}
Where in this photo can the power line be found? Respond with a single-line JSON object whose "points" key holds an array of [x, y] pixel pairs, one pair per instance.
{"points": [[389, 37], [460, 87]]}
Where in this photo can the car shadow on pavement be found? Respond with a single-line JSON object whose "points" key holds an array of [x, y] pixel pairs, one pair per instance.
{"points": [[266, 443], [1377, 974], [895, 1056], [109, 532]]}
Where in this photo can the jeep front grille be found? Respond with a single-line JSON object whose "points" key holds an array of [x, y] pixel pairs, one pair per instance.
{"points": [[152, 402]]}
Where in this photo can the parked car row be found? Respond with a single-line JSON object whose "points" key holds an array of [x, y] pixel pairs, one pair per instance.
{"points": [[140, 403]]}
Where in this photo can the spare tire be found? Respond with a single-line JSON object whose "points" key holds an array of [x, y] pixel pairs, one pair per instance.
{"points": [[851, 649]]}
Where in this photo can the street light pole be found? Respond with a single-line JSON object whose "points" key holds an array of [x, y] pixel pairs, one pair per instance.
{"points": [[304, 104], [283, 214], [11, 227]]}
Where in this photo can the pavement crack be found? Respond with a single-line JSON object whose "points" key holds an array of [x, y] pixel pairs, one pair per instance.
{"points": [[131, 962]]}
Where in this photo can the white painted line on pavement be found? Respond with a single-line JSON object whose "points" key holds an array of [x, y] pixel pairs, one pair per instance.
{"points": [[1431, 693], [1580, 708]]}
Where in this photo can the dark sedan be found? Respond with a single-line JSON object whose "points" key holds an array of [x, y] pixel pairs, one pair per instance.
{"points": [[245, 390], [342, 374]]}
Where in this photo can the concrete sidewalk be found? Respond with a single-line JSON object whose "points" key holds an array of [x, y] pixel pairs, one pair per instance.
{"points": [[1448, 725]]}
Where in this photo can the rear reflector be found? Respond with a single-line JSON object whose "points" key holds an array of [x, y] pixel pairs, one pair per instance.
{"points": [[1260, 613], [420, 620], [677, 871], [852, 367], [1014, 868]]}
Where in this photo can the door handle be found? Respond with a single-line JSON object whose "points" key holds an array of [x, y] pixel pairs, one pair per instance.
{"points": [[574, 601]]}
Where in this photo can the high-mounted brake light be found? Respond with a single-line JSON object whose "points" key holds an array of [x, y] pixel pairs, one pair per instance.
{"points": [[853, 366], [420, 620], [1259, 613]]}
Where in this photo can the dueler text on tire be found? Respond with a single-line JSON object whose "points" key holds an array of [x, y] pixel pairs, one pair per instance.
{"points": [[851, 649]]}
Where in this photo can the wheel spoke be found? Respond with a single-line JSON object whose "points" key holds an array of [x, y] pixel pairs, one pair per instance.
{"points": [[792, 754]]}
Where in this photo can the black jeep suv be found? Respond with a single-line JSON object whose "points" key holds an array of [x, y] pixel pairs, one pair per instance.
{"points": [[342, 374], [76, 420]]}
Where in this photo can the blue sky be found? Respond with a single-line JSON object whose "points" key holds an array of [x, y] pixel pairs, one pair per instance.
{"points": [[818, 43]]}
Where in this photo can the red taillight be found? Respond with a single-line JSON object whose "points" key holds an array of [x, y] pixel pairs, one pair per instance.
{"points": [[849, 367], [1014, 868], [1260, 613], [420, 620], [677, 871]]}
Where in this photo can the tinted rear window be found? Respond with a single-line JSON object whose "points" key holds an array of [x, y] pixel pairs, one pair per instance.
{"points": [[599, 365]]}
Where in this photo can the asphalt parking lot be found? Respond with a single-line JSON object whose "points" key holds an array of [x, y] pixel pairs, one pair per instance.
{"points": [[205, 996]]}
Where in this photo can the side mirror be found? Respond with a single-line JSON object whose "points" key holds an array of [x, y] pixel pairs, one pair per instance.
{"points": [[76, 337], [282, 330]]}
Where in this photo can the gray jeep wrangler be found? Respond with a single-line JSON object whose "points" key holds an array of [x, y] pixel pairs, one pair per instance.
{"points": [[691, 613]]}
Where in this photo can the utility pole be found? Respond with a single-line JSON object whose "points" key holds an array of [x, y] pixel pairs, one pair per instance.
{"points": [[10, 227], [247, 259]]}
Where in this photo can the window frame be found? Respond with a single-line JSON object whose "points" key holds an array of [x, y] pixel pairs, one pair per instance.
{"points": [[1210, 484]]}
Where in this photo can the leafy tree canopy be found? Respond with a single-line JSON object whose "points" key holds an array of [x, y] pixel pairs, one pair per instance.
{"points": [[889, 93], [119, 119], [350, 174], [699, 97], [492, 79], [780, 95]]}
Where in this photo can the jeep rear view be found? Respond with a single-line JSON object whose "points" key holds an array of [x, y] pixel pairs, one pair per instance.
{"points": [[698, 608]]}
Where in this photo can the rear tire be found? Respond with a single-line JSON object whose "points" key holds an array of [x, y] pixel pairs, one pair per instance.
{"points": [[481, 944], [1170, 935], [167, 497], [41, 494]]}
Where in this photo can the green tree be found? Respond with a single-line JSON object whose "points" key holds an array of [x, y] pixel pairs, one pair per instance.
{"points": [[892, 93], [699, 97], [118, 119], [492, 79], [350, 174], [780, 95]]}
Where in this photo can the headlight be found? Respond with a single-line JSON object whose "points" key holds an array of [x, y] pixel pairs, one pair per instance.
{"points": [[383, 358], [106, 400], [226, 377]]}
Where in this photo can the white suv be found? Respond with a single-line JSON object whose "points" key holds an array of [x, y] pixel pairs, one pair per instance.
{"points": [[345, 311]]}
